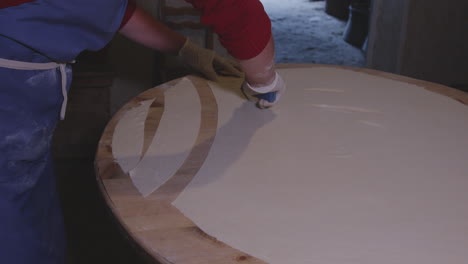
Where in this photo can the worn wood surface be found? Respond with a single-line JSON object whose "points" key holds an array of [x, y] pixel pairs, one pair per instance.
{"points": [[152, 222]]}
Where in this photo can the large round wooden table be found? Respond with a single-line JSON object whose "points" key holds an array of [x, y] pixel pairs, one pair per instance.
{"points": [[163, 233]]}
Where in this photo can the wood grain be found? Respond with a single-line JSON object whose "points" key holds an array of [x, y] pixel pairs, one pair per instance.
{"points": [[152, 222]]}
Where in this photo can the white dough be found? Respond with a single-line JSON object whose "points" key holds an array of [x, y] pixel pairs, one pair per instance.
{"points": [[172, 142], [348, 168], [127, 147], [174, 138]]}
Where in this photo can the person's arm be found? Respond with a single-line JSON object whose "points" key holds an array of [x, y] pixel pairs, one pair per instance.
{"points": [[244, 29], [260, 70], [142, 28], [261, 79]]}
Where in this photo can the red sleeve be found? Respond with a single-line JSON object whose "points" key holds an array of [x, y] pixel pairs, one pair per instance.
{"points": [[10, 3], [131, 6], [243, 26]]}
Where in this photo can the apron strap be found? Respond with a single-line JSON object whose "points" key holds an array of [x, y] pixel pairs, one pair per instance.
{"points": [[21, 65]]}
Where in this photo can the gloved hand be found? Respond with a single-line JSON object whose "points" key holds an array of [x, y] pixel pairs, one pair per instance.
{"points": [[267, 95], [207, 62]]}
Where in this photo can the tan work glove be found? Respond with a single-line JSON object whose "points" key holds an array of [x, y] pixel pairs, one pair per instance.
{"points": [[267, 95], [207, 62]]}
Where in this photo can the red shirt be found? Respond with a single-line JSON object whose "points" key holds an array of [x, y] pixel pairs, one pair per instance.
{"points": [[9, 3], [131, 6], [243, 26]]}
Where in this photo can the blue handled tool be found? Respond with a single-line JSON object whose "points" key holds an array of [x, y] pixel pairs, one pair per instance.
{"points": [[270, 97]]}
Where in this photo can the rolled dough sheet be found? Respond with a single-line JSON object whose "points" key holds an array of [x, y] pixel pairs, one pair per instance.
{"points": [[127, 147], [348, 168], [173, 140]]}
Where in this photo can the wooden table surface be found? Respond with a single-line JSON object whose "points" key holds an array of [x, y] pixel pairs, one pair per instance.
{"points": [[152, 223]]}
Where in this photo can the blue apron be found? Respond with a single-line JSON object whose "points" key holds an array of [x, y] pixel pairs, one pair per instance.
{"points": [[31, 100]]}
